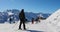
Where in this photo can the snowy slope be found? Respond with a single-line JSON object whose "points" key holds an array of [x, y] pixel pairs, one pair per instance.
{"points": [[53, 22], [39, 27]]}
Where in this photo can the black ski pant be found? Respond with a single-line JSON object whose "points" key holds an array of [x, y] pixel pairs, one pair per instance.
{"points": [[22, 22]]}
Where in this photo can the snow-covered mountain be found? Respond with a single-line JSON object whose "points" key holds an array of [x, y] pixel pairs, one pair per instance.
{"points": [[53, 21], [51, 24], [4, 16]]}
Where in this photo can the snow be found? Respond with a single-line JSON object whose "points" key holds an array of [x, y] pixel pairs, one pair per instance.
{"points": [[51, 24], [6, 27], [10, 13], [39, 27], [40, 15]]}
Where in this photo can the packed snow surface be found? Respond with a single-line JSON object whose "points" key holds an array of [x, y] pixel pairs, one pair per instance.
{"points": [[36, 27]]}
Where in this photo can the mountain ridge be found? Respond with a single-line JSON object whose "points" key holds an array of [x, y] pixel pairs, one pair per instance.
{"points": [[29, 15]]}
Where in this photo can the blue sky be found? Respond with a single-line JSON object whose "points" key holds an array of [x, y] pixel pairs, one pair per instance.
{"points": [[36, 6]]}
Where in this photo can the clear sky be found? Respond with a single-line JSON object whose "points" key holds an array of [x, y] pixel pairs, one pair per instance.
{"points": [[45, 6]]}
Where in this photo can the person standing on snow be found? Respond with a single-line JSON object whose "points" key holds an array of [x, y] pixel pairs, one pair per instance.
{"points": [[22, 19], [32, 20]]}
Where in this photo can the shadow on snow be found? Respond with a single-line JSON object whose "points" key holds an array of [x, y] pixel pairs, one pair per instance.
{"points": [[34, 31]]}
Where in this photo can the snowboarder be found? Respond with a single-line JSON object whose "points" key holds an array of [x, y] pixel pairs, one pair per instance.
{"points": [[22, 19], [32, 20], [10, 20]]}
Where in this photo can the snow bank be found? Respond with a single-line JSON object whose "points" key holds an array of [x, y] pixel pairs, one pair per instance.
{"points": [[53, 22]]}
